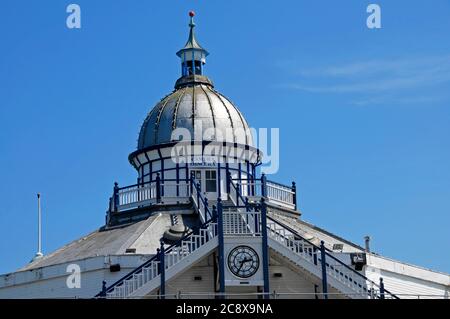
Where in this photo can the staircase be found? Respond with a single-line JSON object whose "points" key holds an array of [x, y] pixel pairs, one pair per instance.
{"points": [[147, 277], [306, 255], [176, 258], [239, 217]]}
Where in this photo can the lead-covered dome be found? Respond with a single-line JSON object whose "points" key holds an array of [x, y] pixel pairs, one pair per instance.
{"points": [[197, 107]]}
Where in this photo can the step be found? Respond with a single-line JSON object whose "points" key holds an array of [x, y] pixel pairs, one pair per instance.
{"points": [[178, 254], [303, 255]]}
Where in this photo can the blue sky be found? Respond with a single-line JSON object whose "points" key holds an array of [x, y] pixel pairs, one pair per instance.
{"points": [[363, 114]]}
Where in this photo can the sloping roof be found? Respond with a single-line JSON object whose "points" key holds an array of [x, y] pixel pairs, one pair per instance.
{"points": [[316, 234], [109, 242]]}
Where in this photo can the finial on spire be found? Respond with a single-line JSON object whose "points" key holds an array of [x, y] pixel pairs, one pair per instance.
{"points": [[191, 23]]}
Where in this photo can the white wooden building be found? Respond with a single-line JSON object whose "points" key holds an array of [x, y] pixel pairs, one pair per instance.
{"points": [[200, 222]]}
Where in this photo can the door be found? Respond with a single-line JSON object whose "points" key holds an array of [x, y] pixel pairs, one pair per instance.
{"points": [[208, 182], [211, 184]]}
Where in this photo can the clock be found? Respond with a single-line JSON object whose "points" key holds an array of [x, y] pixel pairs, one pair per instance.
{"points": [[243, 261]]}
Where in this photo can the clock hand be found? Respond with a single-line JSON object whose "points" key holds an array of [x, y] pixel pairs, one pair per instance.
{"points": [[242, 263]]}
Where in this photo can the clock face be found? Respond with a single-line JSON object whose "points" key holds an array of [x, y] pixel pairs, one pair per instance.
{"points": [[243, 261]]}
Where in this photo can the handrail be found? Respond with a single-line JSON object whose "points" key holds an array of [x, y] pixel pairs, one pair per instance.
{"points": [[279, 184], [153, 182], [168, 249], [259, 180], [152, 259], [238, 194], [202, 199], [329, 255]]}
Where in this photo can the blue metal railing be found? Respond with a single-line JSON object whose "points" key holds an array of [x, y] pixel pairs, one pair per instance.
{"points": [[158, 190], [276, 193], [329, 255], [212, 218], [200, 201]]}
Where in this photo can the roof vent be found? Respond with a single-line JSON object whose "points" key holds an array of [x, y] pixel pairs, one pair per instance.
{"points": [[367, 243]]}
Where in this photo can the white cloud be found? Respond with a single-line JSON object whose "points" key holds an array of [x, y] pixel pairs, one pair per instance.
{"points": [[394, 76]]}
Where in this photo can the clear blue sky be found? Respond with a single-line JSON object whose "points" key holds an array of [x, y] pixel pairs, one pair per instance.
{"points": [[364, 115]]}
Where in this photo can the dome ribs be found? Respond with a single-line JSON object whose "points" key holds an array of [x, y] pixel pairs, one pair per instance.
{"points": [[181, 110], [175, 111], [158, 118], [142, 133], [193, 109], [228, 111], [211, 108], [244, 123]]}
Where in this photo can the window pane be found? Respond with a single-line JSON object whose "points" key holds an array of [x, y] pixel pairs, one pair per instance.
{"points": [[211, 185]]}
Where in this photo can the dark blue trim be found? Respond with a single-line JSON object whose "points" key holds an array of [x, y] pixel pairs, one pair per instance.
{"points": [[265, 248], [324, 270], [240, 173], [165, 145], [294, 196], [115, 197], [150, 171], [381, 288], [221, 246], [162, 169], [162, 271], [178, 178], [205, 167], [158, 188], [263, 185], [161, 172], [228, 181], [219, 188], [248, 173]]}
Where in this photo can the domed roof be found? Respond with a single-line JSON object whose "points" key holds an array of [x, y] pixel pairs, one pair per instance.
{"points": [[194, 105]]}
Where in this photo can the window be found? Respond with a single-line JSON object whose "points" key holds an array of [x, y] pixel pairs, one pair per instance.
{"points": [[210, 181], [197, 175]]}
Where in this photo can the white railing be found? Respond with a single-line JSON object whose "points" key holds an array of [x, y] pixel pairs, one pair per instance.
{"points": [[241, 223], [280, 194], [346, 276], [311, 254], [146, 194], [299, 247], [173, 255], [275, 193], [131, 197], [170, 191], [174, 190], [250, 188]]}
